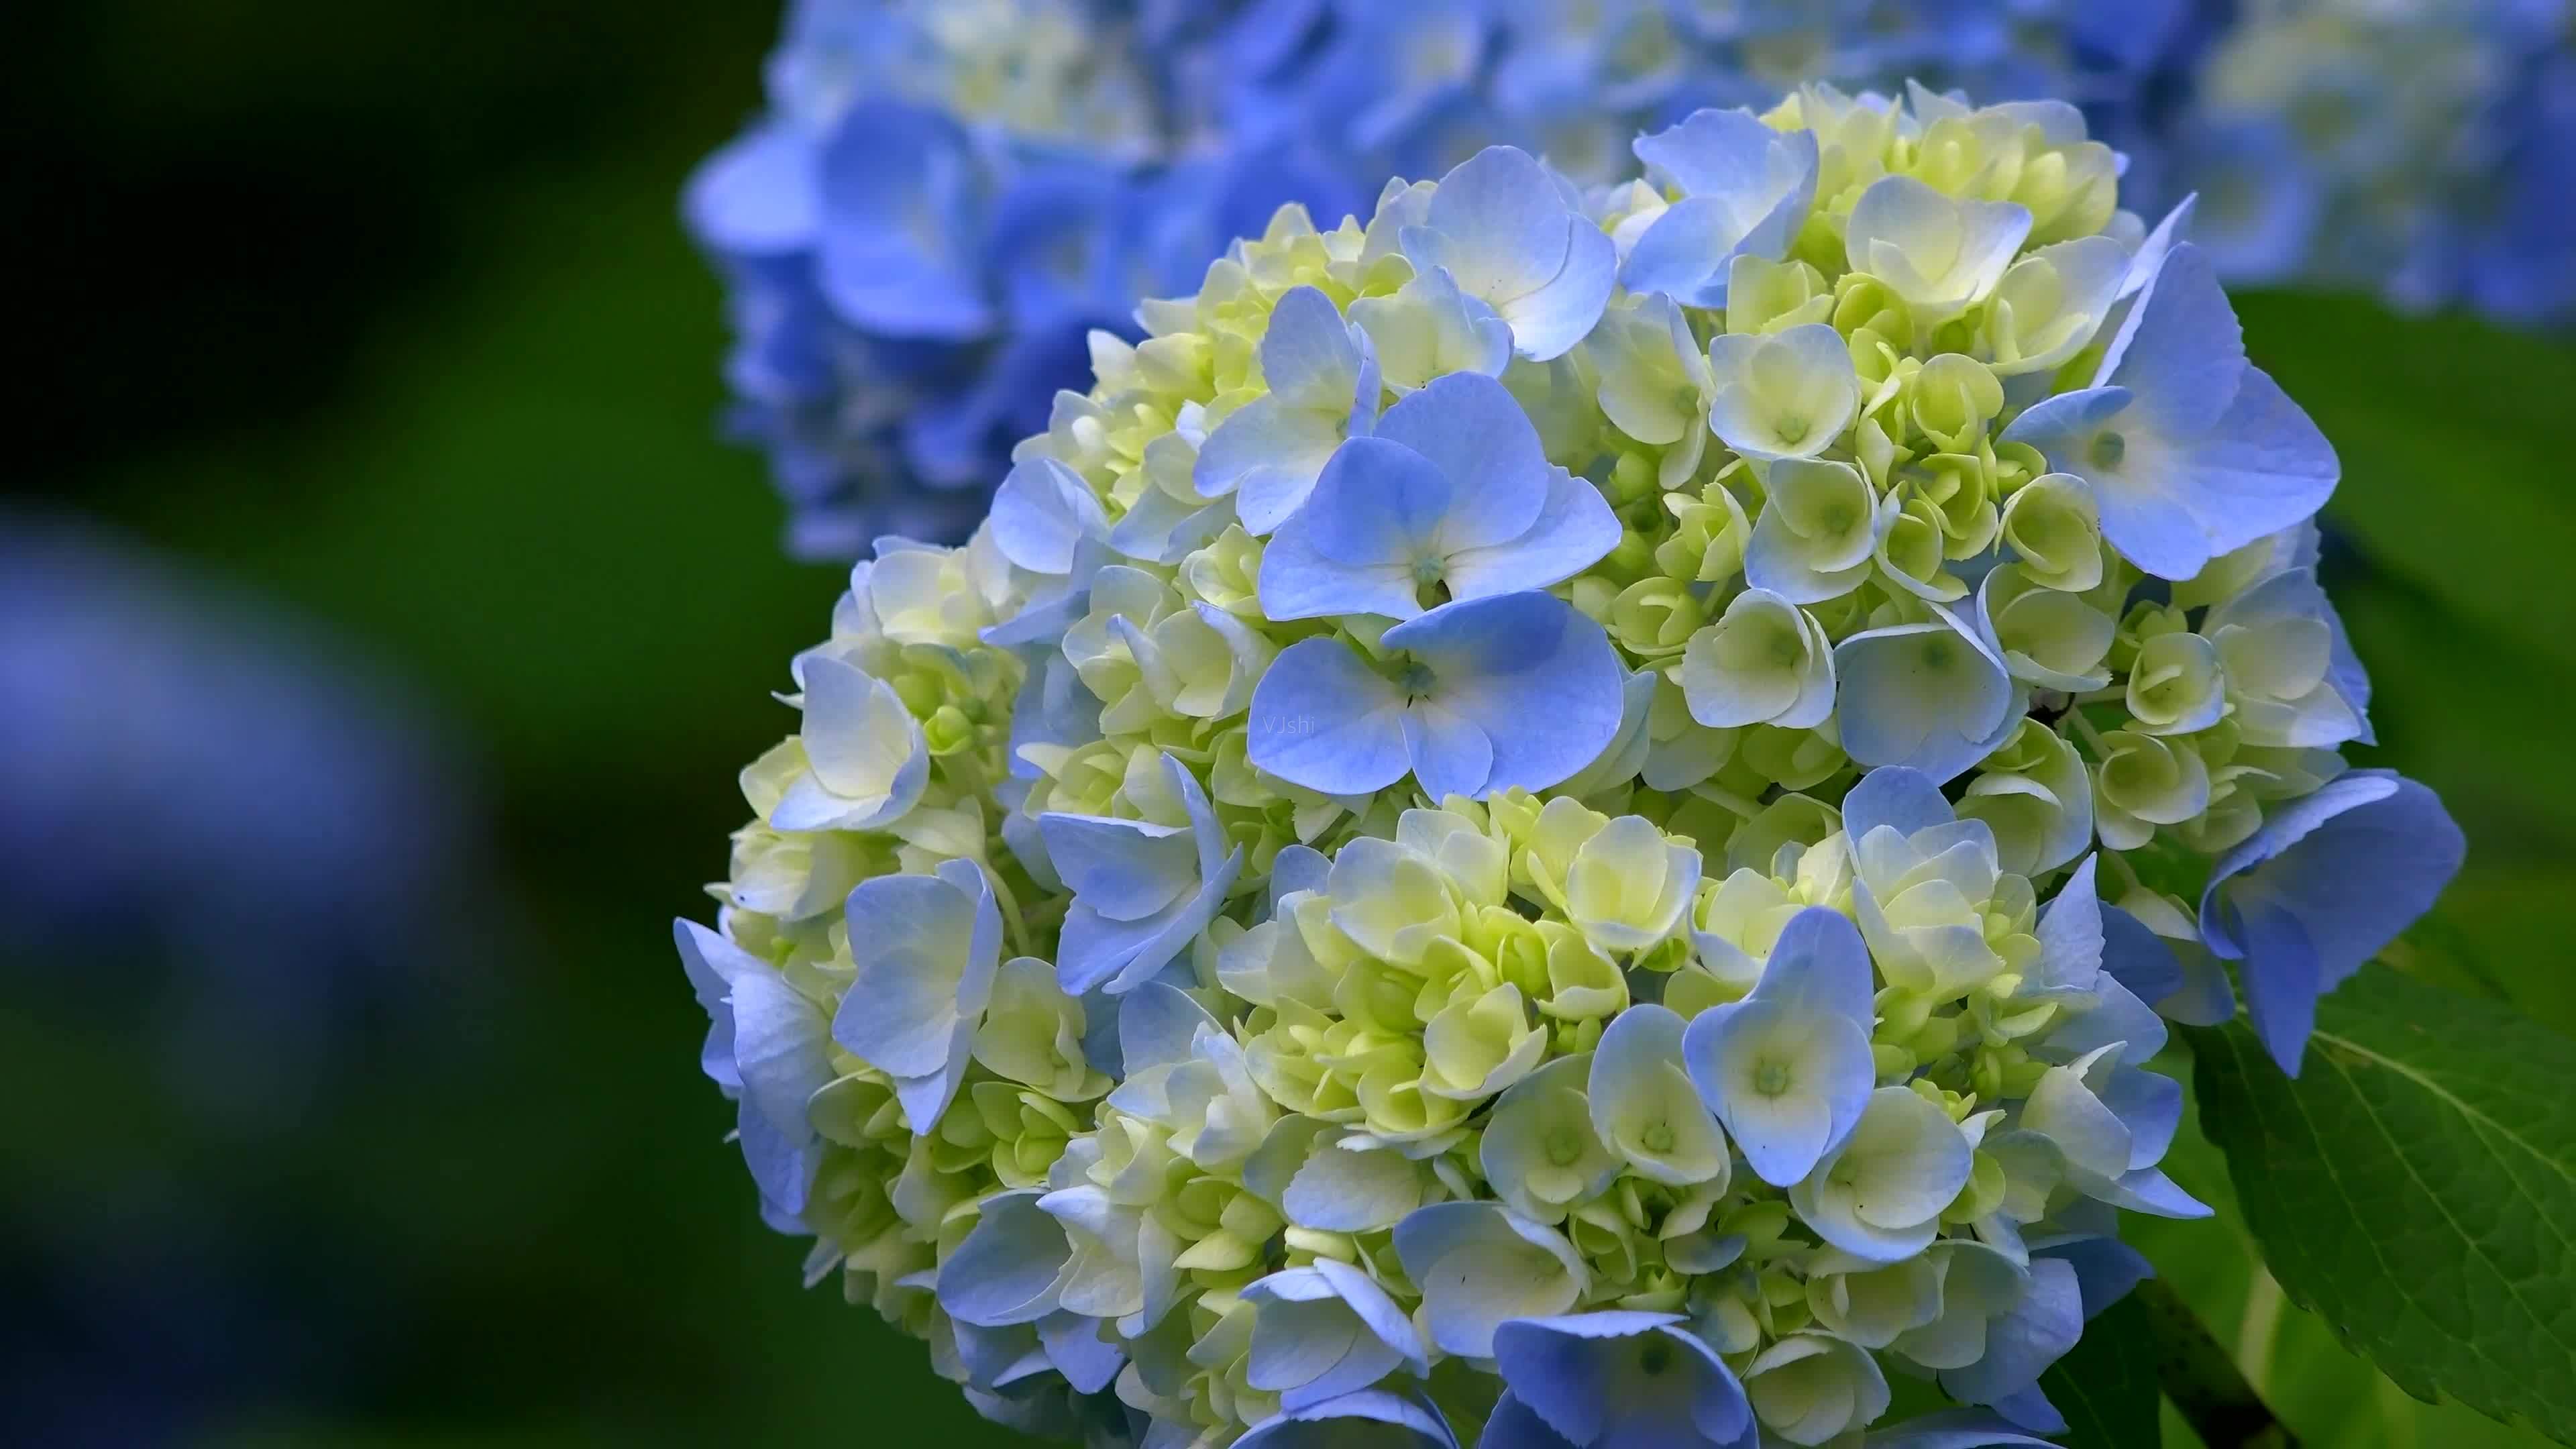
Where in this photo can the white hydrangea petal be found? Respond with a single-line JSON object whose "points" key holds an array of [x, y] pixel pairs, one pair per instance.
{"points": [[1478, 1266], [1644, 1106], [1784, 394], [1429, 329], [1345, 1190]]}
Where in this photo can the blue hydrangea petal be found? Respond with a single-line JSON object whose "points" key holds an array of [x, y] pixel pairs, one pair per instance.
{"points": [[1369, 1419], [2320, 888], [758, 196], [1323, 719], [2105, 1269], [1509, 235], [1582, 1373], [1351, 549], [2262, 468], [1515, 1425], [1124, 869], [2138, 958], [934, 944], [1042, 513], [712, 962], [1324, 1331], [1904, 800], [2180, 348], [1482, 441], [1478, 1266], [781, 1048], [782, 1164], [1573, 531], [1268, 454], [1820, 962], [1008, 1268], [2022, 1343], [1323, 388], [1077, 1349], [1310, 357], [1451, 754], [2070, 940], [1158, 1026], [1929, 696], [1746, 191], [1537, 676], [892, 160], [1808, 1018]]}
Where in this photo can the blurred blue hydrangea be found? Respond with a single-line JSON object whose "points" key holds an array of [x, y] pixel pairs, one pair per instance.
{"points": [[228, 864], [945, 197], [2420, 150], [190, 778]]}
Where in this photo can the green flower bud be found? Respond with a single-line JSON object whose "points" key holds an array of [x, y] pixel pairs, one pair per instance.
{"points": [[1656, 617], [1767, 296], [1631, 479], [2053, 526], [2176, 685], [1952, 398], [1226, 573], [1863, 303], [1708, 538], [1795, 759], [1961, 487], [1917, 545]]}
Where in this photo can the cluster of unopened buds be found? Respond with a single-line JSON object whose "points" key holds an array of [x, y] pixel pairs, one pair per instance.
{"points": [[1571, 816]]}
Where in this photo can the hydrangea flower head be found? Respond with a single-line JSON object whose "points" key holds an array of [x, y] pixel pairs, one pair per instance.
{"points": [[1554, 892]]}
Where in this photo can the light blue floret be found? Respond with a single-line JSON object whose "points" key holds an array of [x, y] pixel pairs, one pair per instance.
{"points": [[1745, 190], [1473, 696], [1141, 891], [1788, 1069], [2326, 882], [1453, 492], [2190, 450], [1615, 1380]]}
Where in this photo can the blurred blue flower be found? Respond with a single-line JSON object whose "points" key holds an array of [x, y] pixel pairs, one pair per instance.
{"points": [[234, 879], [943, 200], [218, 802]]}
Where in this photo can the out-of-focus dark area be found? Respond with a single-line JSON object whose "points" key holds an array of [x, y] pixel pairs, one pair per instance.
{"points": [[382, 624]]}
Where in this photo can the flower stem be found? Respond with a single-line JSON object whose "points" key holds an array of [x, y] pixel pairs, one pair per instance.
{"points": [[1013, 923], [2203, 1381]]}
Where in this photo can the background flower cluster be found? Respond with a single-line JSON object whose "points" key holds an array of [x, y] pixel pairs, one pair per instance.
{"points": [[945, 198]]}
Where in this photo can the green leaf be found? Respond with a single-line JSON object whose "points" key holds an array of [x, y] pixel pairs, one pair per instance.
{"points": [[2445, 481], [2106, 1385], [2415, 1187]]}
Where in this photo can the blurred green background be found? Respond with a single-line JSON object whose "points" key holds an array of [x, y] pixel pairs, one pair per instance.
{"points": [[384, 313]]}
